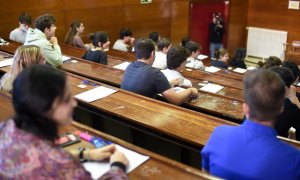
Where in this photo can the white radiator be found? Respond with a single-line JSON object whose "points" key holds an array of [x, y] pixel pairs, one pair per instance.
{"points": [[263, 43]]}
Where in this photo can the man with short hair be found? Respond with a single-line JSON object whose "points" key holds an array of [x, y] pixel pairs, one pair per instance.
{"points": [[19, 34], [140, 77], [192, 61], [44, 36], [125, 41], [160, 61], [252, 150]]}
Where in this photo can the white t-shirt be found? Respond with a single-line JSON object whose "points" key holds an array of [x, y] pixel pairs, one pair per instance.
{"points": [[120, 45], [194, 63], [160, 61], [18, 35], [173, 74]]}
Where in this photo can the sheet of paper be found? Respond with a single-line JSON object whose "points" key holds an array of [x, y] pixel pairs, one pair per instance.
{"points": [[178, 89], [298, 84], [212, 69], [97, 169], [7, 62], [95, 94], [201, 57], [251, 68], [240, 70], [213, 88], [65, 58], [122, 66]]}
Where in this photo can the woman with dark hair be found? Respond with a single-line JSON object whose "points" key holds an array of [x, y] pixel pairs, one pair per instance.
{"points": [[97, 53], [222, 57], [43, 102], [73, 36]]}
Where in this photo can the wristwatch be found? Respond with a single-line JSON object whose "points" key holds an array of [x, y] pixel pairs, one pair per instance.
{"points": [[81, 158]]}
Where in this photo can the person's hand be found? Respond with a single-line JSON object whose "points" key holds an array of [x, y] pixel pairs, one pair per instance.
{"points": [[175, 82], [53, 41], [119, 157], [101, 153], [292, 96], [194, 93]]}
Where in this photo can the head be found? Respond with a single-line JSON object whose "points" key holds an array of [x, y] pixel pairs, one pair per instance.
{"points": [[25, 56], [75, 28], [164, 45], [125, 34], [193, 48], [176, 58], [272, 61], [217, 18], [25, 21], [222, 55], [100, 39], [144, 49], [154, 36], [46, 24], [184, 41], [42, 101], [264, 94], [293, 67], [285, 74]]}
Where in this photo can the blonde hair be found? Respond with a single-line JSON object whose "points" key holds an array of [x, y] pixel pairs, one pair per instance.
{"points": [[25, 56]]}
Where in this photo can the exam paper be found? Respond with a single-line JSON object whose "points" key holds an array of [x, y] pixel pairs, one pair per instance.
{"points": [[97, 169], [7, 62], [95, 94], [201, 57], [122, 66], [213, 88], [65, 58], [240, 70], [212, 69]]}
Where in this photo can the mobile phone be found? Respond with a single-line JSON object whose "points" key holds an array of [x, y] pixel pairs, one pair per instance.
{"points": [[67, 139]]}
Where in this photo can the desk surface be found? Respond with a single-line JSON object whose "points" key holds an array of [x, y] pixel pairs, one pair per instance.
{"points": [[157, 167]]}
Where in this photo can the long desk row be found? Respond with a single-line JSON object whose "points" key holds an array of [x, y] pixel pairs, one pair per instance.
{"points": [[157, 167]]}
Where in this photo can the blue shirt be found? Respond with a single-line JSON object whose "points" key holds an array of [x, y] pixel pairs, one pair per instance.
{"points": [[250, 151], [143, 79], [219, 64]]}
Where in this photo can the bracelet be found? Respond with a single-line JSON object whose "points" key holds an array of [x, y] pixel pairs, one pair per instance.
{"points": [[81, 158], [119, 165]]}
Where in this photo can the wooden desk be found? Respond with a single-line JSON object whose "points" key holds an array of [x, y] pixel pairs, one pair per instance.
{"points": [[292, 53], [157, 167]]}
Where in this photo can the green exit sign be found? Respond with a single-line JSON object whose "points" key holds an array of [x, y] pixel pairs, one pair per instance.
{"points": [[146, 1]]}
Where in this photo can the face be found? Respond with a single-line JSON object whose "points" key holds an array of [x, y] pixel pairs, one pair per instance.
{"points": [[196, 54], [127, 39], [80, 29], [50, 32], [224, 58], [24, 27], [62, 110]]}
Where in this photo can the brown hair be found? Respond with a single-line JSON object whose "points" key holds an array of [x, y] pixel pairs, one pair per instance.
{"points": [[72, 32]]}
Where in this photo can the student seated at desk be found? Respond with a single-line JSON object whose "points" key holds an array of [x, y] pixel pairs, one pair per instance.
{"points": [[270, 62], [100, 43], [176, 60], [125, 41], [192, 61], [252, 150], [140, 77], [160, 61], [222, 57], [73, 37], [19, 34], [25, 56], [44, 36], [27, 148], [291, 113]]}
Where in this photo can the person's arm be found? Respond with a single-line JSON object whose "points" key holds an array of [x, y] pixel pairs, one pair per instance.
{"points": [[78, 42], [52, 53], [293, 97], [12, 36], [179, 98]]}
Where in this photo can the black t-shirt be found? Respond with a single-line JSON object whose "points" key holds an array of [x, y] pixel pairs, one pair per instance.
{"points": [[290, 117], [97, 56], [216, 33], [143, 79]]}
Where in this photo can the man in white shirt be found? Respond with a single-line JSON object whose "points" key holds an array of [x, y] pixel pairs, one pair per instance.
{"points": [[192, 61], [125, 41], [160, 61], [19, 34]]}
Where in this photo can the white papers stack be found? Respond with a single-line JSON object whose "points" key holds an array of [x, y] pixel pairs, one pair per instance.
{"points": [[201, 57], [240, 70], [212, 69], [7, 62], [251, 68], [298, 84], [95, 94], [97, 169], [178, 89], [65, 58], [213, 88], [122, 66]]}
